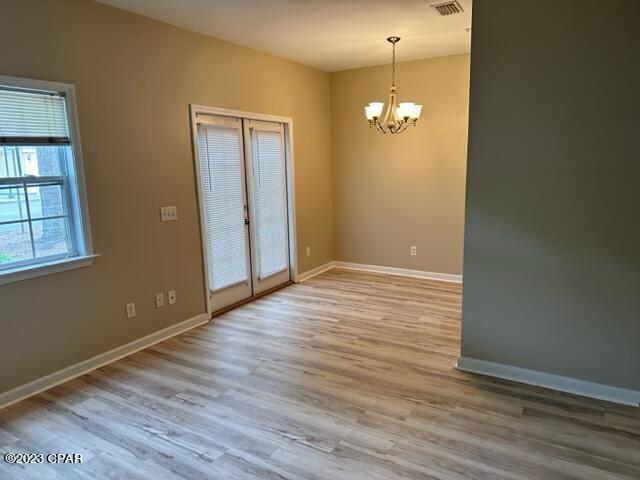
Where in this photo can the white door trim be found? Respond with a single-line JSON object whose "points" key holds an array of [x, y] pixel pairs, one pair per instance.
{"points": [[288, 137]]}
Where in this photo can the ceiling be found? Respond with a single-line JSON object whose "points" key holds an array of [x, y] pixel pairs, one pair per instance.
{"points": [[327, 34]]}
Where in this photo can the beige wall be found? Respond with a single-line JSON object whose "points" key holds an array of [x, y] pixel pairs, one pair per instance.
{"points": [[392, 192], [135, 79]]}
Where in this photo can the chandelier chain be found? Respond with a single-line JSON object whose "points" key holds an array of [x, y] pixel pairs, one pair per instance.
{"points": [[393, 71]]}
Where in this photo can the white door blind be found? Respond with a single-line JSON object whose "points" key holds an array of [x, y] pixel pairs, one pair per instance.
{"points": [[270, 198], [27, 115], [224, 201]]}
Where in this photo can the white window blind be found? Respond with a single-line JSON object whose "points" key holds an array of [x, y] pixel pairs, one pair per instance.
{"points": [[32, 117], [224, 201], [270, 199]]}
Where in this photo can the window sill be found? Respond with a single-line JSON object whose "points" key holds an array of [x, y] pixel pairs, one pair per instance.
{"points": [[32, 271]]}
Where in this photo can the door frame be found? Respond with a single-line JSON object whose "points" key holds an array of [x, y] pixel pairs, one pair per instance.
{"points": [[196, 109]]}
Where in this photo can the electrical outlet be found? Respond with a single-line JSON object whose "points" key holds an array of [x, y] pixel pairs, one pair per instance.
{"points": [[168, 214], [414, 251], [171, 297], [131, 310], [308, 251], [159, 300]]}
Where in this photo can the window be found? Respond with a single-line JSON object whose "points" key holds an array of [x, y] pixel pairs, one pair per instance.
{"points": [[43, 220]]}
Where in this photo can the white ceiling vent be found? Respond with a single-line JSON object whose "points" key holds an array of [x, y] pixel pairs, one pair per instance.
{"points": [[448, 8]]}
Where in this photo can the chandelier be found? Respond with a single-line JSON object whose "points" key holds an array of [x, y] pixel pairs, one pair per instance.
{"points": [[398, 116]]}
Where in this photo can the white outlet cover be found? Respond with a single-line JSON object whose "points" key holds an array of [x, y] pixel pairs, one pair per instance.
{"points": [[130, 310], [171, 296], [159, 300]]}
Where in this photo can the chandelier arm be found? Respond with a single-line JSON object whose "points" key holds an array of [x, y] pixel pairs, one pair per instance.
{"points": [[402, 126]]}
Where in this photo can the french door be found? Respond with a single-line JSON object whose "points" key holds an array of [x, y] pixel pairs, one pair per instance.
{"points": [[242, 172]]}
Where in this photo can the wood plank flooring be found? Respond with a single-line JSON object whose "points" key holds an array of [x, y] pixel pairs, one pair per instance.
{"points": [[346, 376]]}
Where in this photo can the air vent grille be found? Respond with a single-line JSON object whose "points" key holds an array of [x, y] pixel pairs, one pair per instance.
{"points": [[448, 8]]}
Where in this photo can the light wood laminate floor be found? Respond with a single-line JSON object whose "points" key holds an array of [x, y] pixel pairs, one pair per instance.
{"points": [[346, 376]]}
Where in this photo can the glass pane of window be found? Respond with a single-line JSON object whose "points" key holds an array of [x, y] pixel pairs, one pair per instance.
{"points": [[45, 200], [15, 243], [37, 161], [51, 237], [12, 203]]}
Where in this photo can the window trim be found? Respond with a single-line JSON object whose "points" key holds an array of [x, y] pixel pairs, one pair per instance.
{"points": [[76, 188], [40, 269]]}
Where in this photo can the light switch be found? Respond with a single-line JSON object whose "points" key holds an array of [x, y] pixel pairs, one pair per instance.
{"points": [[168, 214]]}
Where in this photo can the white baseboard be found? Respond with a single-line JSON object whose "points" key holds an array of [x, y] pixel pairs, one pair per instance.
{"points": [[56, 378], [313, 272], [404, 272], [548, 380]]}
